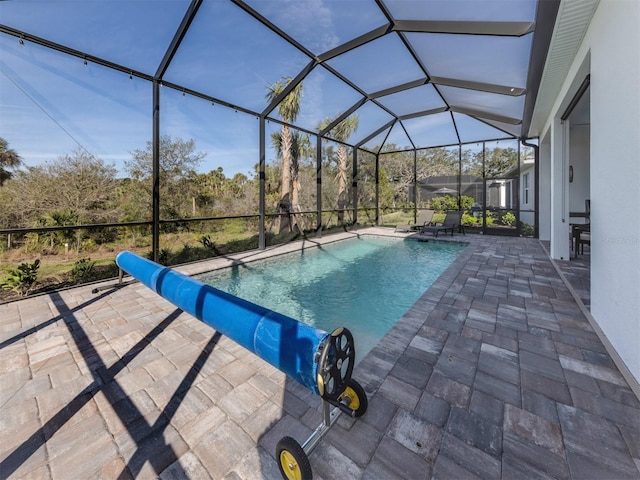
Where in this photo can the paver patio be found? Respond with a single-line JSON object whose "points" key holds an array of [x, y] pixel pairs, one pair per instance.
{"points": [[495, 372]]}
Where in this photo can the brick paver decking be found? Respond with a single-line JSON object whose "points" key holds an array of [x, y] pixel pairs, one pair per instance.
{"points": [[495, 372]]}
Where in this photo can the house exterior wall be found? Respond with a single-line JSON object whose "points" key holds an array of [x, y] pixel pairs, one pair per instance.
{"points": [[614, 39], [527, 214], [612, 46], [544, 188]]}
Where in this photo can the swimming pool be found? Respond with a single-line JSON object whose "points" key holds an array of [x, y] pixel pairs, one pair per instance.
{"points": [[364, 284]]}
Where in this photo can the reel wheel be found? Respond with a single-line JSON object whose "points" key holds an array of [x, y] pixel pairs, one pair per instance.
{"points": [[355, 398], [292, 461], [336, 364]]}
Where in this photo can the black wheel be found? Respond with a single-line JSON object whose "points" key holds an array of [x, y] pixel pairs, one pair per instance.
{"points": [[336, 364], [355, 398], [293, 462]]}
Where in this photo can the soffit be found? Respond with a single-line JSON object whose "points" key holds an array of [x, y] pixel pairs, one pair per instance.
{"points": [[574, 17]]}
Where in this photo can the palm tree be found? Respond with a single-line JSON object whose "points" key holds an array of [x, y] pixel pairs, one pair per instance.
{"points": [[300, 148], [288, 108], [342, 132], [9, 159]]}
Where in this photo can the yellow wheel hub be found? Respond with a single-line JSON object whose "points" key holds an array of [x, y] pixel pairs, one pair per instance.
{"points": [[290, 466], [354, 403]]}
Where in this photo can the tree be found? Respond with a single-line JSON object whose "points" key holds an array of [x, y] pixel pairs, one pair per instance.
{"points": [[437, 162], [386, 192], [80, 182], [367, 181], [288, 108], [341, 133], [300, 148], [206, 189], [75, 189], [178, 159], [399, 170], [399, 166], [9, 160], [499, 161]]}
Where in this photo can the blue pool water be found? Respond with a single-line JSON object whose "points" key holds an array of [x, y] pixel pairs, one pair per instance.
{"points": [[364, 284]]}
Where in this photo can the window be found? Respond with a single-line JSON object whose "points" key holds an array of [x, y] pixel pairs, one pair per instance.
{"points": [[525, 189]]}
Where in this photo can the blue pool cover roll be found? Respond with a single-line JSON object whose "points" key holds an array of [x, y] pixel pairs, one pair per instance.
{"points": [[284, 342]]}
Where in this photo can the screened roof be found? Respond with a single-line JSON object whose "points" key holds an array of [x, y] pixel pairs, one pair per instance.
{"points": [[417, 73]]}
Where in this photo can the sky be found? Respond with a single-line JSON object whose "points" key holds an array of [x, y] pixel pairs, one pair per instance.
{"points": [[52, 104]]}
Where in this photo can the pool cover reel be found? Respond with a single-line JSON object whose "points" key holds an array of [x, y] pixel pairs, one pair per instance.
{"points": [[320, 361]]}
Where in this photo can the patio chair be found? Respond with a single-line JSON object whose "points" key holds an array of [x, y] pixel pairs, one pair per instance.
{"points": [[452, 220], [424, 218], [581, 232], [584, 238]]}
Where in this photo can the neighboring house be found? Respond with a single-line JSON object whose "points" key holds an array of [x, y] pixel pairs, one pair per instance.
{"points": [[527, 190], [526, 199], [431, 187]]}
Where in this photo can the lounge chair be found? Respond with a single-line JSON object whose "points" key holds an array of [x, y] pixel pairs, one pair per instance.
{"points": [[424, 218], [452, 220]]}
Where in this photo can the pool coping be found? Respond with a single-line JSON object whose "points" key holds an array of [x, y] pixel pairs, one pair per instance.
{"points": [[413, 319], [242, 258]]}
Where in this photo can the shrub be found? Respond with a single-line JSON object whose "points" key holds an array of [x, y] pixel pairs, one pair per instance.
{"points": [[508, 219], [490, 218], [83, 270], [438, 218], [448, 202], [32, 242], [104, 235], [467, 202], [208, 244], [186, 254], [163, 256], [468, 220], [444, 203], [526, 229], [89, 245], [22, 279]]}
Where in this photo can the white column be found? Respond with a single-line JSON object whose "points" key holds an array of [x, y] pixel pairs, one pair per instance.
{"points": [[560, 241], [544, 189]]}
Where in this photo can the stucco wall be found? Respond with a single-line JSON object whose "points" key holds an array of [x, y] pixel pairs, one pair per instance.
{"points": [[544, 188], [614, 41]]}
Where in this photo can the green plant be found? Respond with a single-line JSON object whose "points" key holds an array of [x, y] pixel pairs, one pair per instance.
{"points": [[83, 270], [22, 279], [449, 202], [163, 256], [88, 245], [207, 243], [526, 229], [466, 202], [438, 218], [508, 219], [444, 203], [32, 242], [468, 220], [111, 270]]}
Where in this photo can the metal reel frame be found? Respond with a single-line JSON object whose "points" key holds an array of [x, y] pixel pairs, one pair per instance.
{"points": [[293, 458]]}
